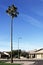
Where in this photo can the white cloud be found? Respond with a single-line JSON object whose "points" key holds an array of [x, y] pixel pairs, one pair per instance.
{"points": [[31, 20]]}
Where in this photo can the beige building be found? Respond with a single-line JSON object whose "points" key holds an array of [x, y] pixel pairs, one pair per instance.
{"points": [[32, 54], [38, 54]]}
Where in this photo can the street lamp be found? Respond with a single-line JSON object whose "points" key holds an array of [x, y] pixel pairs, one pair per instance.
{"points": [[18, 47], [12, 11]]}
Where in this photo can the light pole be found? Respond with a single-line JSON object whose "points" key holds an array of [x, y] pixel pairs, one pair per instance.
{"points": [[18, 47], [12, 11]]}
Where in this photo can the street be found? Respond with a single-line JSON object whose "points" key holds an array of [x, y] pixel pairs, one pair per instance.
{"points": [[26, 61]]}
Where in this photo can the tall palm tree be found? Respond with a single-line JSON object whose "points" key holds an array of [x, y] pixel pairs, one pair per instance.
{"points": [[12, 11]]}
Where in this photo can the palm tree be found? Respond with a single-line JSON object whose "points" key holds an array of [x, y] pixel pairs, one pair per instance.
{"points": [[12, 11]]}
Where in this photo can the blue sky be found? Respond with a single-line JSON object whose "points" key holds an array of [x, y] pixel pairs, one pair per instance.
{"points": [[28, 25]]}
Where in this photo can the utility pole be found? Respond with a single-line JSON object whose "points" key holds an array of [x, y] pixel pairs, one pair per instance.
{"points": [[18, 47]]}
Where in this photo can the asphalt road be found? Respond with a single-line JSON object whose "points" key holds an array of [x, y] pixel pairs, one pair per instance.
{"points": [[26, 62], [30, 62], [38, 62]]}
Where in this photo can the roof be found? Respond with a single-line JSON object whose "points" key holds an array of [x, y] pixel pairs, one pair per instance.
{"points": [[32, 52], [6, 53], [39, 51], [36, 51]]}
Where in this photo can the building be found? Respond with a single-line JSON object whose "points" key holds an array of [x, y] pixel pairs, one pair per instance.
{"points": [[4, 55], [32, 54], [0, 54], [38, 54]]}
